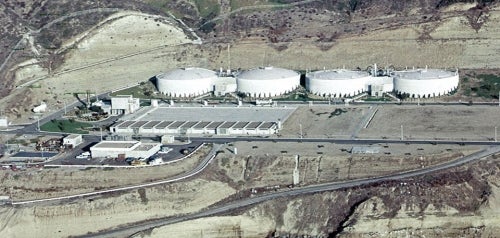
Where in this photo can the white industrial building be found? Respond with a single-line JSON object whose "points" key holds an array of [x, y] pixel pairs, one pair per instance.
{"points": [[196, 127], [224, 85], [337, 83], [73, 140], [425, 83], [4, 121], [186, 82], [220, 120], [377, 86], [124, 104], [134, 149], [267, 82]]}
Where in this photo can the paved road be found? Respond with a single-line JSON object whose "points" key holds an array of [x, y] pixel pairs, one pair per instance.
{"points": [[339, 141], [222, 140], [129, 230], [421, 103]]}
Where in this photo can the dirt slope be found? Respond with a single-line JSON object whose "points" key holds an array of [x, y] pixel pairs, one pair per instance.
{"points": [[93, 214], [458, 202]]}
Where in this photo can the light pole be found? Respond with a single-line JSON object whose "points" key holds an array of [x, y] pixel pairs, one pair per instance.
{"points": [[65, 108], [300, 127], [496, 133], [402, 137]]}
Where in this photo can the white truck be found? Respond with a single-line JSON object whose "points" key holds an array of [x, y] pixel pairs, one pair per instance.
{"points": [[84, 155]]}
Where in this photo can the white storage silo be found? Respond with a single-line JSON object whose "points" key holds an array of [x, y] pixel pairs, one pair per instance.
{"points": [[425, 83], [337, 83], [267, 82], [186, 82]]}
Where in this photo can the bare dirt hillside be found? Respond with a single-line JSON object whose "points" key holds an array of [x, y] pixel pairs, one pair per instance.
{"points": [[228, 177], [94, 214], [458, 202], [65, 47]]}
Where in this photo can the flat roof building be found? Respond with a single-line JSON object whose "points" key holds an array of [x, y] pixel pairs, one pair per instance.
{"points": [[134, 149], [124, 104], [204, 120], [73, 140]]}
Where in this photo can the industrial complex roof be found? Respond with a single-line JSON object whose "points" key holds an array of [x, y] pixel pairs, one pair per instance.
{"points": [[187, 74], [189, 124], [151, 124], [252, 125], [139, 124], [240, 125], [339, 74], [201, 124], [125, 124], [163, 124], [144, 147], [214, 124], [73, 136], [423, 74], [116, 144], [267, 73], [209, 114]]}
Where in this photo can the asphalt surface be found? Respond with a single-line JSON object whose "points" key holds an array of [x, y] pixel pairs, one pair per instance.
{"points": [[338, 141], [126, 231]]}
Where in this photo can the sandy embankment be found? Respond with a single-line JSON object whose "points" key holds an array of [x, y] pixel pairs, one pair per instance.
{"points": [[91, 215]]}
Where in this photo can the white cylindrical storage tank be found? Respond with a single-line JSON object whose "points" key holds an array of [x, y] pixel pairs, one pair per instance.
{"points": [[337, 83], [154, 102], [267, 82], [425, 83], [187, 82]]}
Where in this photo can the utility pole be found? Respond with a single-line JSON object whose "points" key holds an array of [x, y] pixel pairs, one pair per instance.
{"points": [[229, 58], [100, 128], [402, 137], [38, 123]]}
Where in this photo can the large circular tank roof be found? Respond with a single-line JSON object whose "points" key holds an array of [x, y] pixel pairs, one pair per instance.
{"points": [[187, 74], [267, 73], [187, 82], [423, 74], [340, 74]]}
